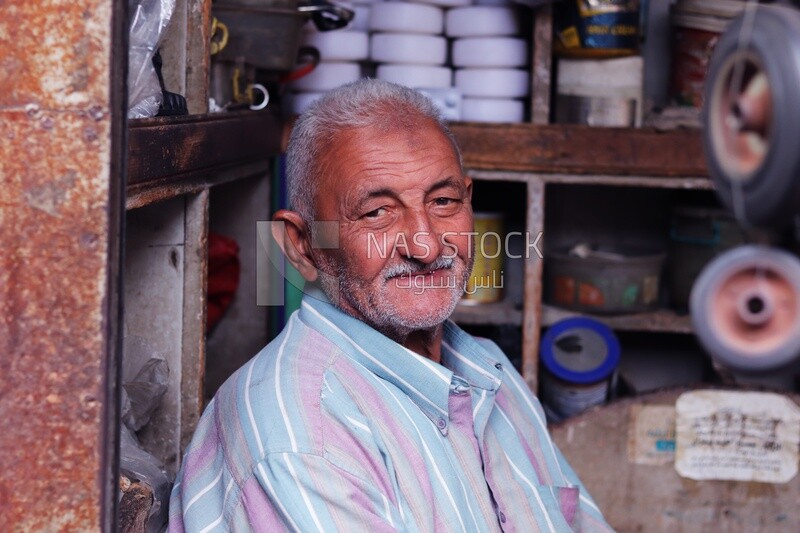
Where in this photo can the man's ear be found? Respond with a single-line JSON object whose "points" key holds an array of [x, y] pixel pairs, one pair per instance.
{"points": [[468, 185], [295, 240]]}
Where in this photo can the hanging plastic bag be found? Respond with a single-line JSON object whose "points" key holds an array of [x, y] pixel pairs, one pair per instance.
{"points": [[148, 20], [144, 381]]}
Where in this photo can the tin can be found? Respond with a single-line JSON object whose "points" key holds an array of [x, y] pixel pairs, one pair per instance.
{"points": [[696, 28], [485, 285], [596, 28], [580, 356]]}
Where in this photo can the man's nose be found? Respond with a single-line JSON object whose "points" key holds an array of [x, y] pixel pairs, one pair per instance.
{"points": [[422, 239]]}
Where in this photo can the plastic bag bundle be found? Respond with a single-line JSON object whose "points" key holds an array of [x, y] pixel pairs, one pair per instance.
{"points": [[148, 20]]}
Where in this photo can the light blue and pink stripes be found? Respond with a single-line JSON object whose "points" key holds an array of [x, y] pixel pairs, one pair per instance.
{"points": [[334, 427]]}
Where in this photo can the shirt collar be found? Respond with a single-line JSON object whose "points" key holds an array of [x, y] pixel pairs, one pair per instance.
{"points": [[470, 360], [425, 382]]}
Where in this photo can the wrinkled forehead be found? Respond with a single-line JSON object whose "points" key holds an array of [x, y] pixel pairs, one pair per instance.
{"points": [[411, 133], [355, 158]]}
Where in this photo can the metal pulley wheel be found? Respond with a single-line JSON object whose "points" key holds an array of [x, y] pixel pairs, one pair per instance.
{"points": [[745, 308], [752, 116]]}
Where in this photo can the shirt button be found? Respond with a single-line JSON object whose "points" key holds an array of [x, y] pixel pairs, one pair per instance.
{"points": [[502, 517], [442, 423], [498, 366]]}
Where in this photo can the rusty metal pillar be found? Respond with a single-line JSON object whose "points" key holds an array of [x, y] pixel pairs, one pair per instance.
{"points": [[62, 141]]}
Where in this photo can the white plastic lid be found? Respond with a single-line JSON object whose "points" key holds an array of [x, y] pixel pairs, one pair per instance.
{"points": [[339, 45], [492, 110], [444, 3], [408, 48], [493, 82], [406, 18], [490, 52], [360, 20], [482, 21], [327, 76], [416, 76]]}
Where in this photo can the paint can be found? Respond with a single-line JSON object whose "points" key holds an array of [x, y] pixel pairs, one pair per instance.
{"points": [[580, 357], [485, 284], [596, 28], [600, 92], [697, 25]]}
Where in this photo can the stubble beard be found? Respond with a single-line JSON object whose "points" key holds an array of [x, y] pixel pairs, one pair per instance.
{"points": [[374, 305]]}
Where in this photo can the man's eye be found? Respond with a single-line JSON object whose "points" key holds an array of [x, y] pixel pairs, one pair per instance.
{"points": [[375, 213], [444, 201]]}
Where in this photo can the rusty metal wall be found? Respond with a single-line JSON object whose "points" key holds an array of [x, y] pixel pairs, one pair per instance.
{"points": [[61, 179]]}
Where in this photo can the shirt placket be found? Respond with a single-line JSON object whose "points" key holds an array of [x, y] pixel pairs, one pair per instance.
{"points": [[467, 451]]}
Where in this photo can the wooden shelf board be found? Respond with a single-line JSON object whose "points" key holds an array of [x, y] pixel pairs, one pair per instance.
{"points": [[499, 175], [496, 313], [665, 182], [170, 156], [569, 149], [661, 320], [142, 194]]}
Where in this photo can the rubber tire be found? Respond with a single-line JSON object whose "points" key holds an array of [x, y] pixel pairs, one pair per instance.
{"points": [[772, 193], [706, 284]]}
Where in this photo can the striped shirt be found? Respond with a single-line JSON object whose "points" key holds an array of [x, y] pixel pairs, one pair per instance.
{"points": [[335, 427]]}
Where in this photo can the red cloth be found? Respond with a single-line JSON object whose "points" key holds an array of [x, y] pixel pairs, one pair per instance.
{"points": [[223, 276]]}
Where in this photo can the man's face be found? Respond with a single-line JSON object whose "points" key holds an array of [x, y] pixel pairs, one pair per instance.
{"points": [[404, 213]]}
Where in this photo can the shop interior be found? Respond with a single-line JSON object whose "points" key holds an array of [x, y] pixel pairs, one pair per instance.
{"points": [[636, 197]]}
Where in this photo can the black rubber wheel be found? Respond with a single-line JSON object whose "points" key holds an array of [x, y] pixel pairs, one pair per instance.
{"points": [[745, 309], [754, 157]]}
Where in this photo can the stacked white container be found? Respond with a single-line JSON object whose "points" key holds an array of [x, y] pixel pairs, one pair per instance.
{"points": [[490, 59], [340, 51], [408, 47], [407, 43], [361, 9]]}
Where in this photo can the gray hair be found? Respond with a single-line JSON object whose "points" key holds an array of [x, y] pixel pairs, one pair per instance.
{"points": [[363, 103]]}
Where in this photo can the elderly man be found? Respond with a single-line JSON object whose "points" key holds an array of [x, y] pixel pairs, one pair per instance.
{"points": [[371, 411]]}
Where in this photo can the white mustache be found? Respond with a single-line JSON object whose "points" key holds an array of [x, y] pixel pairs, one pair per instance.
{"points": [[409, 268]]}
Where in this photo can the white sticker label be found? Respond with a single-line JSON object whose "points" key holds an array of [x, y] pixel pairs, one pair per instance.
{"points": [[744, 436]]}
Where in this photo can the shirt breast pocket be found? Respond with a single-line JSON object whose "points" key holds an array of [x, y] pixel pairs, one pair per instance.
{"points": [[561, 505]]}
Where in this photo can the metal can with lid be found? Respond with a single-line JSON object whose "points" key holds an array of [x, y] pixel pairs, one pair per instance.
{"points": [[486, 282]]}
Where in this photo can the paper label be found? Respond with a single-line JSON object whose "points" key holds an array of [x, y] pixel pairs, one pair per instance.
{"points": [[651, 434], [744, 436]]}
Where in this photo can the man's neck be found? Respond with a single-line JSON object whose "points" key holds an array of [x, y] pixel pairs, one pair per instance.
{"points": [[426, 342]]}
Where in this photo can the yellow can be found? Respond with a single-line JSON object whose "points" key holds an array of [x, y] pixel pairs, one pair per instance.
{"points": [[485, 285]]}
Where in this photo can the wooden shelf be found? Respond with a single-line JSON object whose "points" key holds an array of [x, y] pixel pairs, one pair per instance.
{"points": [[171, 156], [567, 149], [661, 182], [505, 313], [497, 314], [660, 320]]}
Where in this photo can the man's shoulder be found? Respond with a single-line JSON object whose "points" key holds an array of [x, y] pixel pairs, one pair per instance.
{"points": [[272, 404], [297, 350], [272, 401]]}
